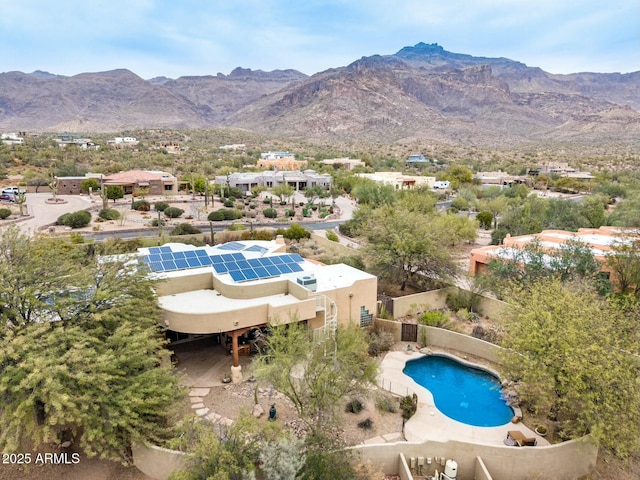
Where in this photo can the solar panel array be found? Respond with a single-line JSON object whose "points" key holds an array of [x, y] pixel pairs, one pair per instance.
{"points": [[239, 268]]}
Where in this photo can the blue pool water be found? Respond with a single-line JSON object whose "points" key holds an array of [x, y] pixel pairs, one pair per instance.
{"points": [[466, 394]]}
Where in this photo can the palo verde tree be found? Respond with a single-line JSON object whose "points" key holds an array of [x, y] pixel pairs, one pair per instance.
{"points": [[316, 375], [575, 356], [80, 349], [404, 246]]}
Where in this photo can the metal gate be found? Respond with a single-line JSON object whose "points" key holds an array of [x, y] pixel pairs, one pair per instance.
{"points": [[409, 332]]}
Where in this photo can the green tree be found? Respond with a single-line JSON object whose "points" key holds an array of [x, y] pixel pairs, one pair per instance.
{"points": [[284, 191], [89, 184], [403, 246], [624, 264], [80, 350], [575, 356], [114, 192], [316, 374]]}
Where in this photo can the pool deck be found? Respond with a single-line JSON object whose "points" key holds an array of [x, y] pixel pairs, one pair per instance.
{"points": [[428, 423]]}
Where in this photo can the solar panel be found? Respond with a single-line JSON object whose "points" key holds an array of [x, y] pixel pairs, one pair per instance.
{"points": [[155, 258], [220, 267], [205, 260], [296, 257], [193, 262], [287, 259], [169, 265], [237, 256], [181, 263], [277, 260], [237, 276], [266, 261], [154, 250], [255, 262], [284, 268], [227, 257], [232, 266], [165, 249], [201, 253], [156, 267], [231, 246], [192, 254], [178, 255], [262, 272], [255, 248], [217, 259], [243, 264], [250, 274], [273, 270], [295, 267], [166, 256]]}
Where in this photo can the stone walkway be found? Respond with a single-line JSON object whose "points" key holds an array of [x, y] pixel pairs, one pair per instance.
{"points": [[196, 396]]}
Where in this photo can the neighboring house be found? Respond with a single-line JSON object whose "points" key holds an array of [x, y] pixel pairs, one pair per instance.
{"points": [[271, 178], [499, 178], [123, 142], [169, 146], [12, 139], [345, 163], [155, 182], [234, 147], [230, 289], [417, 158], [399, 181], [599, 240], [442, 185], [84, 143]]}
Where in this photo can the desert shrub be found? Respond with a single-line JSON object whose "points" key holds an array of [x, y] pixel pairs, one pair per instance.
{"points": [[366, 424], [155, 222], [489, 334], [237, 227], [109, 214], [267, 200], [296, 232], [289, 212], [331, 235], [354, 406], [161, 206], [250, 214], [216, 216], [435, 318], [78, 219], [270, 212], [386, 403], [173, 212], [231, 214], [408, 405], [485, 220], [185, 229], [380, 341], [228, 203], [141, 206], [4, 213], [460, 299], [263, 234]]}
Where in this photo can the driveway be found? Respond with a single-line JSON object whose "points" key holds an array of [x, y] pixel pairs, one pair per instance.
{"points": [[42, 213]]}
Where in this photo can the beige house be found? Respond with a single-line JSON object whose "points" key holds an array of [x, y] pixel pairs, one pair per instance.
{"points": [[231, 289], [399, 180], [155, 182]]}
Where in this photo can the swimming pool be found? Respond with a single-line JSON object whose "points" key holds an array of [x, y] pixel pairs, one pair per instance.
{"points": [[466, 394]]}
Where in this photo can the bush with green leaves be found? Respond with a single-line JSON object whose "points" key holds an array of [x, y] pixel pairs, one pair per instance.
{"points": [[231, 214], [289, 212], [386, 403], [435, 318], [270, 212], [185, 229], [296, 232], [409, 406], [173, 212], [229, 203], [161, 206], [485, 220], [4, 213], [354, 405], [78, 219], [155, 222], [366, 424], [216, 216], [109, 214], [331, 235], [141, 206]]}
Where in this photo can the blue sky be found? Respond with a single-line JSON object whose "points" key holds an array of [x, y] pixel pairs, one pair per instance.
{"points": [[188, 37]]}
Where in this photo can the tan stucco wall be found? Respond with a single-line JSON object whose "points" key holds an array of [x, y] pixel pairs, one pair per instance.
{"points": [[157, 462], [441, 338], [565, 461], [182, 284], [481, 472]]}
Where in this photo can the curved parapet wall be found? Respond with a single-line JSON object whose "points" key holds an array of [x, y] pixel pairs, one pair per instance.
{"points": [[157, 462]]}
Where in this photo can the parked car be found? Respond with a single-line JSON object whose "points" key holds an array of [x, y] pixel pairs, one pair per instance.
{"points": [[6, 198], [12, 192]]}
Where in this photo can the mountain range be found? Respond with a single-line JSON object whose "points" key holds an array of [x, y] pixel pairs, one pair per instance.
{"points": [[420, 93]]}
